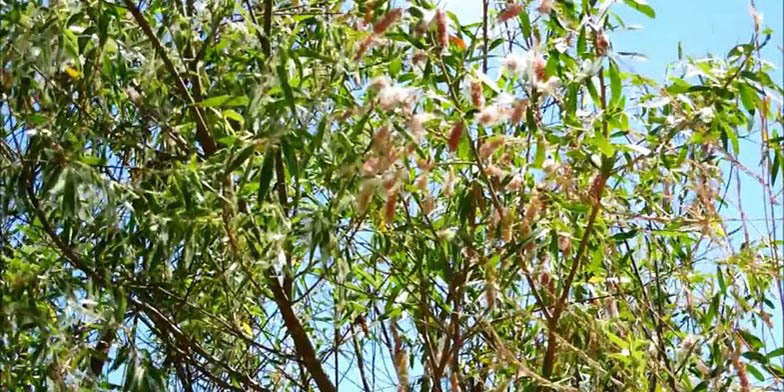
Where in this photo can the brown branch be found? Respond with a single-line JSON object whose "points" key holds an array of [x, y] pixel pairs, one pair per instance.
{"points": [[101, 351], [202, 131], [301, 340], [360, 360], [184, 344], [596, 191]]}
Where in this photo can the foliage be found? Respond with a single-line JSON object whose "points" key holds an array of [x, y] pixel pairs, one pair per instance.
{"points": [[291, 195]]}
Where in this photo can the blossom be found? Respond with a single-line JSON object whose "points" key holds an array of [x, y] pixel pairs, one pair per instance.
{"points": [[428, 204], [365, 194], [381, 139], [548, 87], [477, 95], [496, 172], [549, 166], [706, 114], [421, 182], [510, 12], [515, 183], [448, 188], [391, 97], [417, 125], [491, 146], [379, 83], [455, 134], [490, 115], [545, 6], [364, 45], [602, 44], [446, 234], [703, 368], [419, 57], [389, 19], [537, 66], [371, 165], [389, 206], [515, 64], [441, 26], [518, 111]]}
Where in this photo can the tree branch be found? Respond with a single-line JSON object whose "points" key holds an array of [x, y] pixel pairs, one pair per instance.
{"points": [[202, 131]]}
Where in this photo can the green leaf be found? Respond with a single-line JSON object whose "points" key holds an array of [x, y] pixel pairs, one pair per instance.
{"points": [[315, 143], [233, 115], [733, 138], [776, 353], [224, 101], [604, 145], [642, 7], [582, 43], [541, 152], [525, 24], [755, 356], [70, 197], [712, 311], [615, 84], [752, 340], [624, 235], [241, 157], [288, 94], [755, 372], [290, 156], [748, 97], [266, 174], [720, 278]]}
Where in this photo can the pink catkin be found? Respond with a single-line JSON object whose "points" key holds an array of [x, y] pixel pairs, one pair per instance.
{"points": [[364, 45], [388, 20], [365, 195], [545, 6], [518, 111], [441, 27], [477, 96], [510, 12], [455, 135], [381, 139], [743, 376], [389, 208]]}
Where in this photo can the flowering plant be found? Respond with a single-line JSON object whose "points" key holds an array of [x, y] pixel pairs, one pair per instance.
{"points": [[288, 195]]}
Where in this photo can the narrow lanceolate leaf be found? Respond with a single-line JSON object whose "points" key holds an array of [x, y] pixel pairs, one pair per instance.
{"points": [[265, 179], [224, 101], [615, 84], [241, 157], [70, 196], [408, 197], [315, 143], [641, 6], [290, 157], [283, 77]]}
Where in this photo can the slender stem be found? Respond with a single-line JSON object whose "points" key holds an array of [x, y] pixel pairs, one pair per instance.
{"points": [[485, 4], [202, 131], [360, 361]]}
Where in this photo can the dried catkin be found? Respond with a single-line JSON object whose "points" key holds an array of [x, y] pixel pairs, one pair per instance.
{"points": [[743, 376], [477, 96], [510, 12], [455, 134], [389, 19], [441, 28]]}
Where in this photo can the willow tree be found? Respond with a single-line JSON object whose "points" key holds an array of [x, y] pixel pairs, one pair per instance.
{"points": [[298, 195]]}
